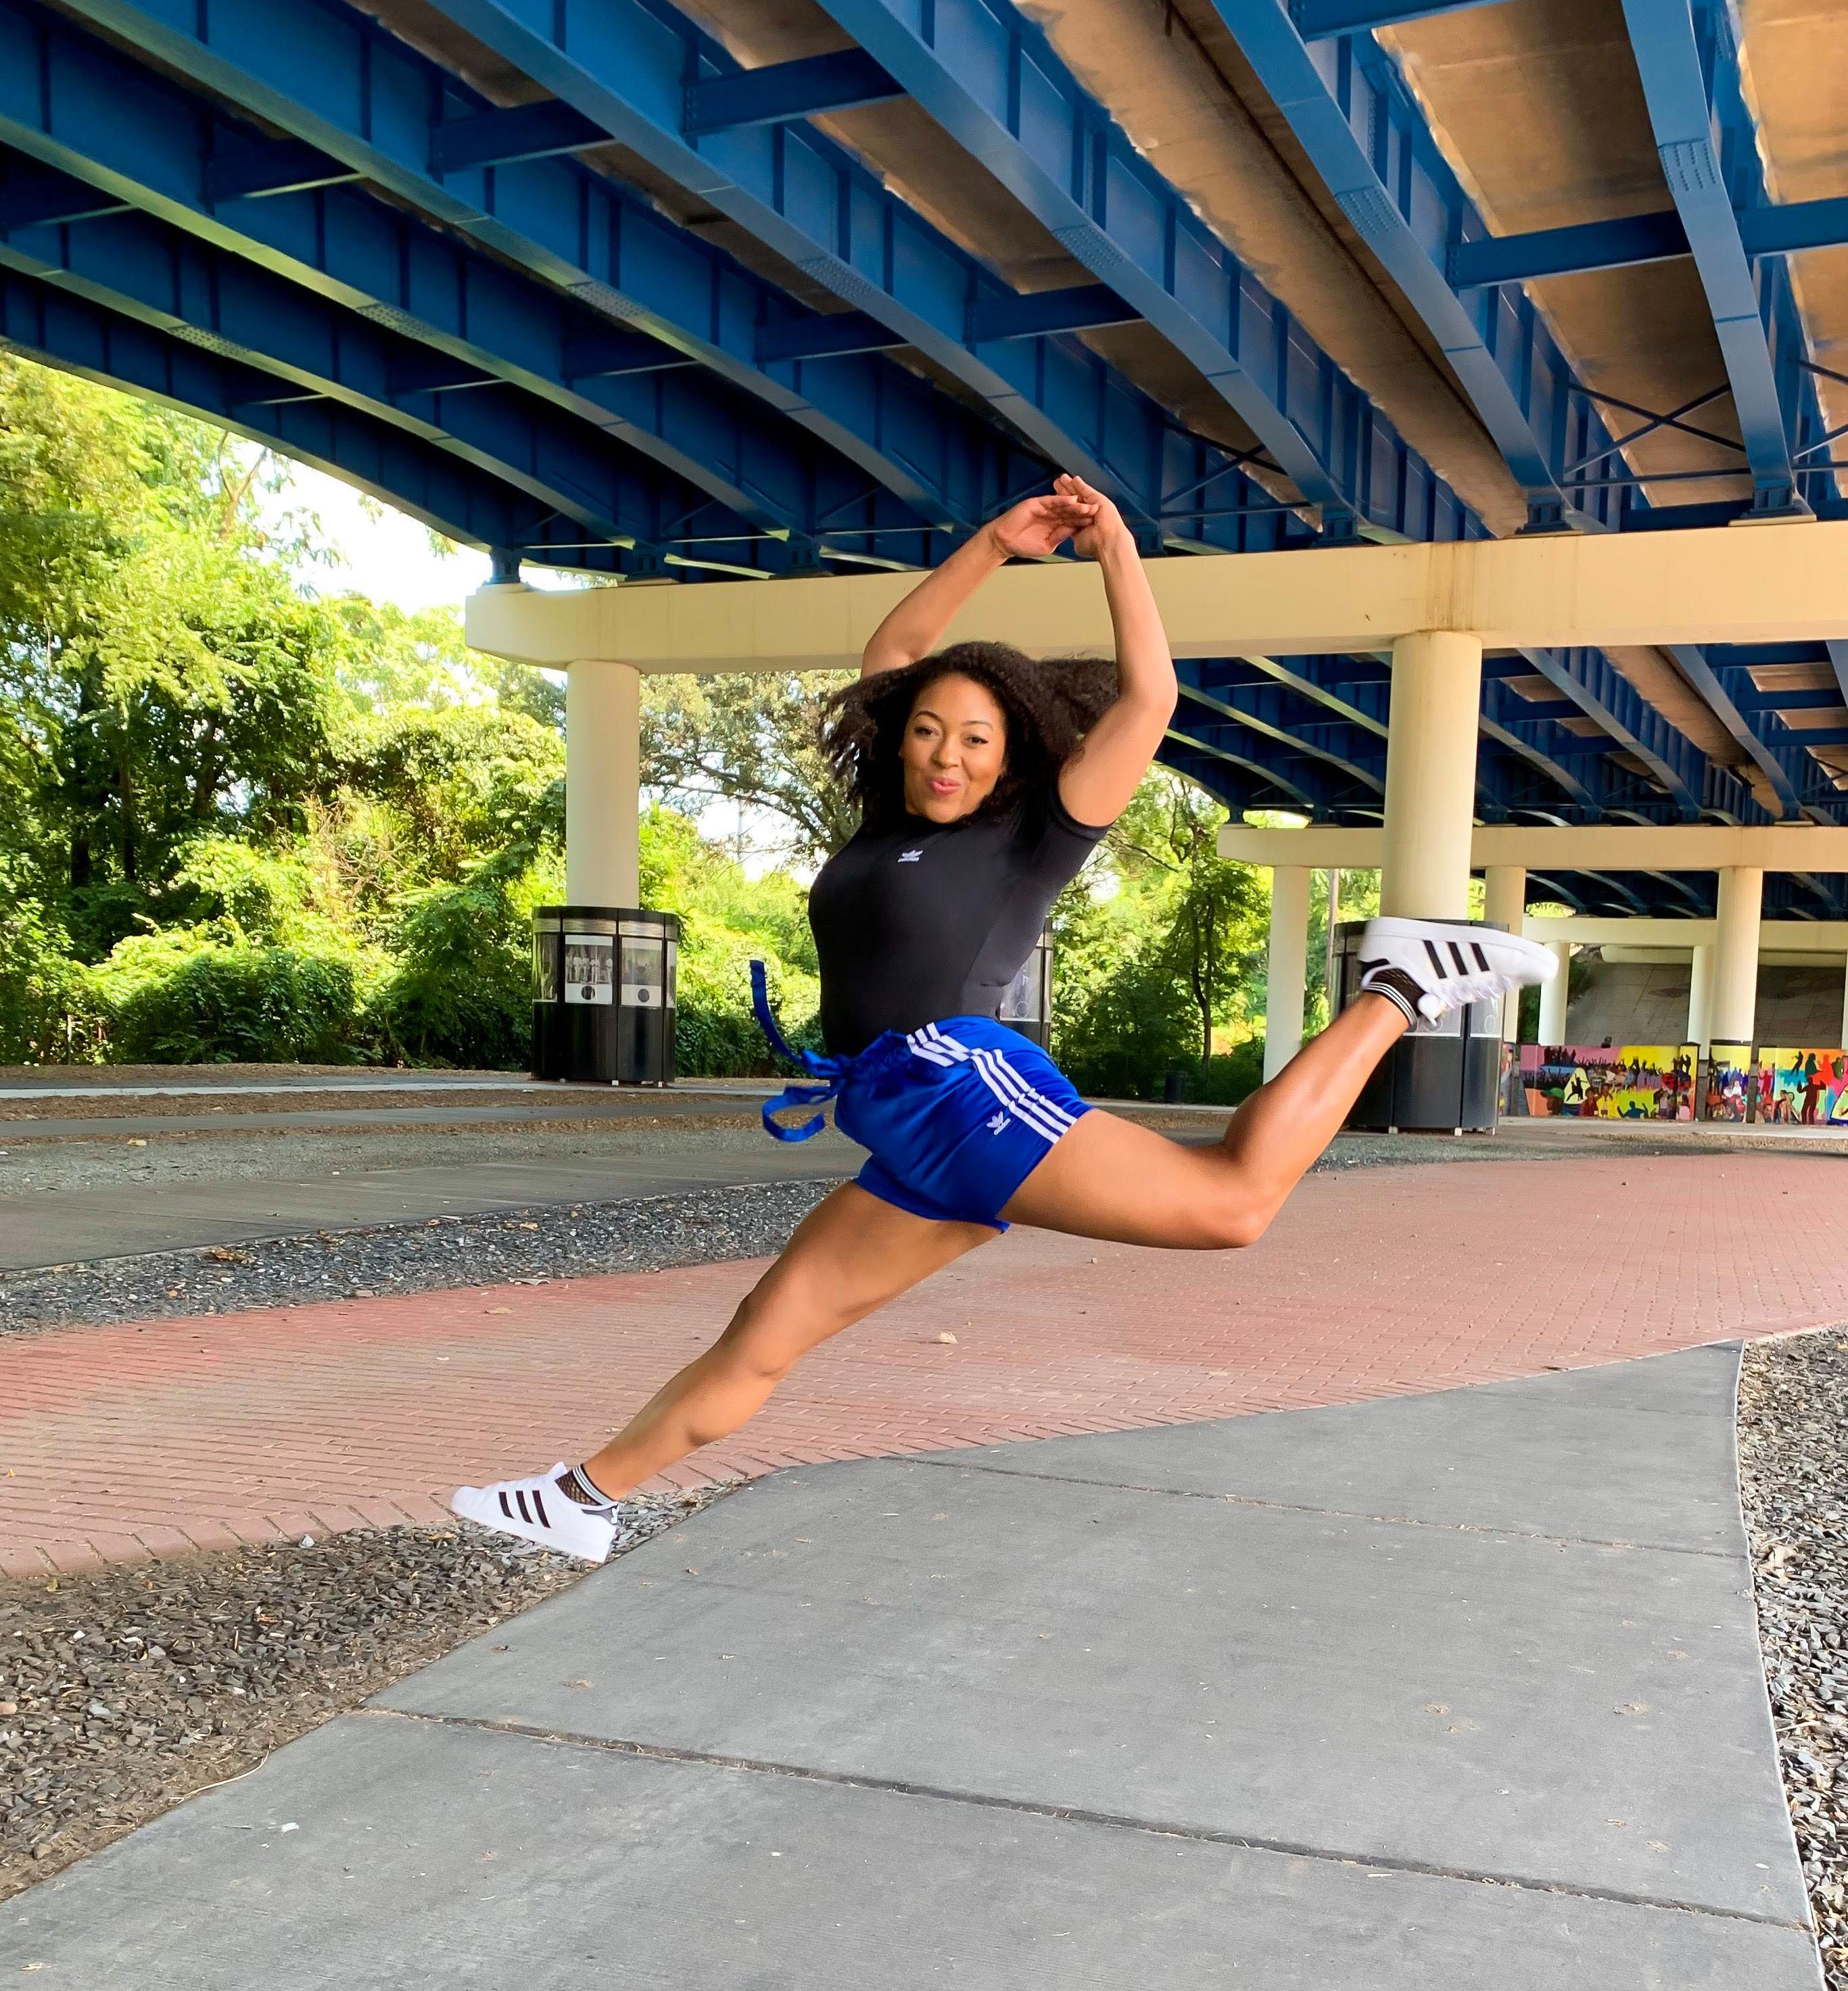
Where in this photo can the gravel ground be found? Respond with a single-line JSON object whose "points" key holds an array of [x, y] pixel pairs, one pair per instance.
{"points": [[123, 1691], [1793, 1461], [522, 1247]]}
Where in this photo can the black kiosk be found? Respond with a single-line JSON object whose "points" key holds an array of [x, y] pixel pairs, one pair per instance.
{"points": [[1027, 1007], [603, 994], [1439, 1078]]}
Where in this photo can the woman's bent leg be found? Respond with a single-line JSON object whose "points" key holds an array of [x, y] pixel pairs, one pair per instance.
{"points": [[849, 1256], [1108, 1178]]}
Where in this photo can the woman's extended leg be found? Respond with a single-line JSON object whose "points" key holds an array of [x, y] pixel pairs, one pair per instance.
{"points": [[847, 1257], [1108, 1178]]}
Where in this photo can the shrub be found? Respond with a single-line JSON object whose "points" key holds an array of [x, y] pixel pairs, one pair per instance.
{"points": [[461, 992], [179, 997]]}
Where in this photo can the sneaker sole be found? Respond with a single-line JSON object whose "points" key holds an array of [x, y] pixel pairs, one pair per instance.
{"points": [[490, 1517]]}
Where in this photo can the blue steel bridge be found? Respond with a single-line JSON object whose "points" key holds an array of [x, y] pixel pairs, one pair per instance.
{"points": [[715, 297]]}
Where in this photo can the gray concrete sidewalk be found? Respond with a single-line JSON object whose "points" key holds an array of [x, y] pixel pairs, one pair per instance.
{"points": [[53, 1229], [1441, 1693]]}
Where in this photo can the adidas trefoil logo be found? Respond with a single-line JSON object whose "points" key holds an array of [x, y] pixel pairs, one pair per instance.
{"points": [[998, 1124], [910, 856]]}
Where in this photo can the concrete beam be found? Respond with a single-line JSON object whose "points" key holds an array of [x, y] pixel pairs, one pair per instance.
{"points": [[1766, 583], [1545, 847], [1673, 940]]}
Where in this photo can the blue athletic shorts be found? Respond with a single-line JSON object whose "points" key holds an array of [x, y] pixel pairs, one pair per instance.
{"points": [[957, 1115]]}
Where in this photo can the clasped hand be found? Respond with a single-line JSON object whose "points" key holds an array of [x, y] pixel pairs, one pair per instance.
{"points": [[1036, 527]]}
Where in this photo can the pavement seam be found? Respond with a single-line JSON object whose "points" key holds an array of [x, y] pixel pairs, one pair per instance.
{"points": [[1077, 1815], [1332, 1513]]}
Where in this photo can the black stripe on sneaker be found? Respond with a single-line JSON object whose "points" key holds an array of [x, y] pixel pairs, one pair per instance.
{"points": [[1457, 955], [505, 1508], [539, 1509], [1482, 959], [1437, 959], [519, 1494]]}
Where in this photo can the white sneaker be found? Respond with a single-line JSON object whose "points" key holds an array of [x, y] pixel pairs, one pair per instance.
{"points": [[538, 1510], [1429, 967]]}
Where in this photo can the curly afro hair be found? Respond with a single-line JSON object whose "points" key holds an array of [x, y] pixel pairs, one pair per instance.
{"points": [[1049, 707]]}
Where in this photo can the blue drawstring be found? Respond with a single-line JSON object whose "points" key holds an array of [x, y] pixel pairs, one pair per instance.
{"points": [[833, 1070]]}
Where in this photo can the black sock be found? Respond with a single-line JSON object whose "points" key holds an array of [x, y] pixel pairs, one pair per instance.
{"points": [[576, 1484], [1395, 985]]}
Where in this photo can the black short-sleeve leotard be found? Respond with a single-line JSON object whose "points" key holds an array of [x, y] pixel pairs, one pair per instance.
{"points": [[919, 921]]}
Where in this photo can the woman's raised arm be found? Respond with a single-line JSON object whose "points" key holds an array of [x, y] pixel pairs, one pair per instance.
{"points": [[1030, 530], [1096, 782]]}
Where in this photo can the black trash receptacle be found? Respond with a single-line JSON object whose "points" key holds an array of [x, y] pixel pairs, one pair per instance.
{"points": [[1027, 1007], [1442, 1077], [613, 1021]]}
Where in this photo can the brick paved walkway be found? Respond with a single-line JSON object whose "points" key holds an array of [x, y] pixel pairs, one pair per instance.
{"points": [[122, 1441]]}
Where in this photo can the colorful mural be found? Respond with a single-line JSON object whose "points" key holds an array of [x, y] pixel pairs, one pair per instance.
{"points": [[1802, 1087], [1727, 1092], [1609, 1081]]}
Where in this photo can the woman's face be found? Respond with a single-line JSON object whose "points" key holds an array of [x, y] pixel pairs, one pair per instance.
{"points": [[955, 748]]}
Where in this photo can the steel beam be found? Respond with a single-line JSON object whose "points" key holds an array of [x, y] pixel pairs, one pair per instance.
{"points": [[78, 336], [1560, 252], [1689, 71], [142, 269], [1776, 230], [115, 126], [1838, 660], [627, 66], [1778, 750], [151, 266], [1294, 787], [779, 93], [1319, 19], [1261, 708], [991, 79], [1365, 138], [377, 104]]}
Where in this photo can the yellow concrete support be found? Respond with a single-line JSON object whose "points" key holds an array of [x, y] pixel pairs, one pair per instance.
{"points": [[1431, 775], [1792, 941], [1552, 996], [603, 751], [1287, 972], [1732, 1015], [1700, 994], [1773, 584], [1505, 904], [1588, 847]]}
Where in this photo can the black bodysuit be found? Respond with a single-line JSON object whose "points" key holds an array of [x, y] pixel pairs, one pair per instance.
{"points": [[924, 920]]}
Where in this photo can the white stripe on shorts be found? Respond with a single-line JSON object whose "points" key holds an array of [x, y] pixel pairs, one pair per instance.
{"points": [[1012, 1091], [1033, 1108]]}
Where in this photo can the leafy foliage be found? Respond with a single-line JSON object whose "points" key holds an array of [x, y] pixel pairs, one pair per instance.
{"points": [[240, 819]]}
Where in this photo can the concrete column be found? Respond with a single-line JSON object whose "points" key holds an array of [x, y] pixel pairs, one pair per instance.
{"points": [[1288, 965], [1700, 994], [1430, 753], [1732, 1014], [1505, 904], [1553, 996], [603, 783]]}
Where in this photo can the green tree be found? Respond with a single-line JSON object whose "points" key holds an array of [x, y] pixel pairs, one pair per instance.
{"points": [[749, 739]]}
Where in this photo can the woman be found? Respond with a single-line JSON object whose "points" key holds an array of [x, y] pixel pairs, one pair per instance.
{"points": [[984, 780]]}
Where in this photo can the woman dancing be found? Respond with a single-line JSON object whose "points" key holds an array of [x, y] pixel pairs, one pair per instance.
{"points": [[984, 781]]}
